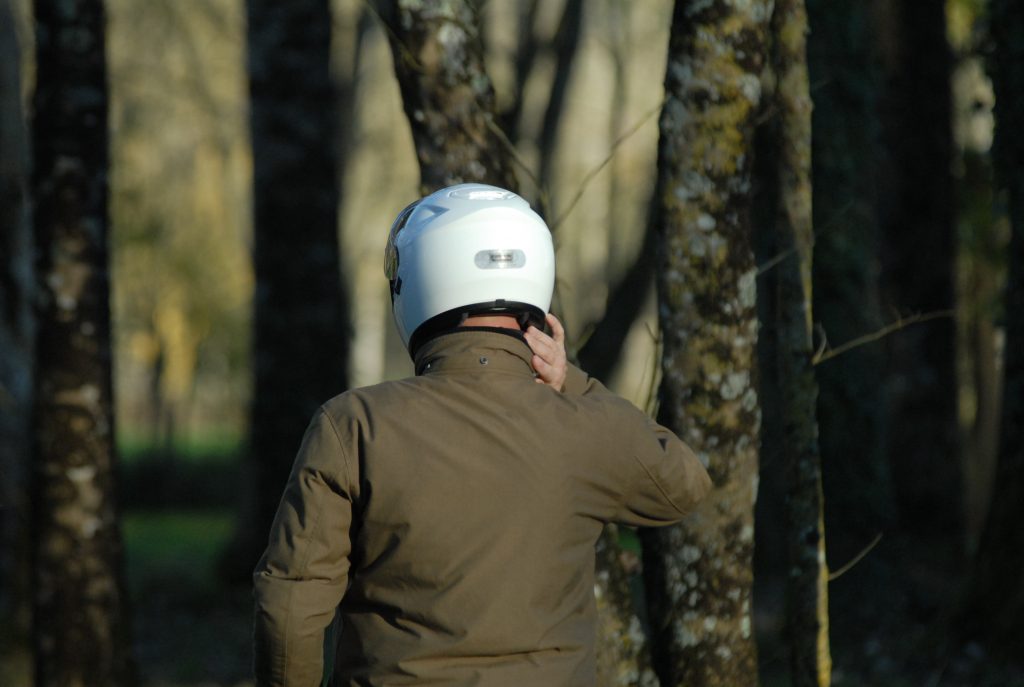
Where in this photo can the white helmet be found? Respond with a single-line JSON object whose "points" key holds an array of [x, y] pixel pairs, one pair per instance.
{"points": [[467, 250]]}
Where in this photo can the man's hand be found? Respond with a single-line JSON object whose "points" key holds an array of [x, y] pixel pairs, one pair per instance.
{"points": [[549, 358]]}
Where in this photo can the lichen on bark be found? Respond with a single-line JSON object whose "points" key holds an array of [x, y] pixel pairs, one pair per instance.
{"points": [[699, 573]]}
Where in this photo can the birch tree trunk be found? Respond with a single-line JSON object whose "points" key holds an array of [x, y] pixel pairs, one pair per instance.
{"points": [[699, 573], [996, 592], [300, 333], [807, 573], [449, 101], [80, 632], [447, 94]]}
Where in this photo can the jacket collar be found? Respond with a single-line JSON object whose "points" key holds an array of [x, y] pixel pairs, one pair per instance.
{"points": [[476, 348]]}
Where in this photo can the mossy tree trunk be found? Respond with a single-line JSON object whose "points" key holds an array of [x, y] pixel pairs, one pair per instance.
{"points": [[996, 591], [699, 573], [807, 573], [447, 94], [300, 332], [449, 100], [80, 628]]}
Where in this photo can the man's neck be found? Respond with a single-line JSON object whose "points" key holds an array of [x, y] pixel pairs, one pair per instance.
{"points": [[500, 321]]}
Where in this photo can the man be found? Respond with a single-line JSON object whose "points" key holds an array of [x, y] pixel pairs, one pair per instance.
{"points": [[451, 517]]}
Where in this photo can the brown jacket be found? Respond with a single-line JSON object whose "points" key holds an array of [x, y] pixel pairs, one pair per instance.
{"points": [[453, 517]]}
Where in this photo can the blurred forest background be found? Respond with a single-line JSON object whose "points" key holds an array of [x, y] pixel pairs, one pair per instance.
{"points": [[238, 164]]}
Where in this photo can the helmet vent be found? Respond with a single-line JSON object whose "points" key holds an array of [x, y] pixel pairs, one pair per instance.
{"points": [[481, 194]]}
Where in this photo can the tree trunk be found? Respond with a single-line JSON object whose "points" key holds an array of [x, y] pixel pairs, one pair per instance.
{"points": [[81, 619], [699, 573], [917, 211], [851, 409], [17, 332], [996, 591], [300, 342], [601, 351], [565, 43], [807, 574], [447, 93], [623, 659], [450, 104]]}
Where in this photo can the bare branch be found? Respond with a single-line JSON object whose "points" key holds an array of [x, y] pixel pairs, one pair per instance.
{"points": [[856, 559], [888, 329], [594, 172]]}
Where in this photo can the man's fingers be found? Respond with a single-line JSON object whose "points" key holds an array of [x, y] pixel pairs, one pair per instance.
{"points": [[540, 365], [557, 330], [548, 353]]}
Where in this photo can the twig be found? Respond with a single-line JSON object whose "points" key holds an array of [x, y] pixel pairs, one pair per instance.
{"points": [[774, 260], [888, 329], [593, 172], [503, 137], [407, 55], [779, 257], [651, 404], [856, 559], [824, 341]]}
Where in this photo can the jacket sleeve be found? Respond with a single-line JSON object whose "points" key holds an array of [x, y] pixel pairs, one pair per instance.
{"points": [[667, 480], [302, 576], [664, 480]]}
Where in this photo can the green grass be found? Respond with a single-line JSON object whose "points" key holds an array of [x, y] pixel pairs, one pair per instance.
{"points": [[176, 547], [215, 445], [189, 628]]}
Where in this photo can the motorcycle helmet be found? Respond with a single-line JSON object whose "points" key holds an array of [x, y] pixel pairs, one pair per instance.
{"points": [[467, 250]]}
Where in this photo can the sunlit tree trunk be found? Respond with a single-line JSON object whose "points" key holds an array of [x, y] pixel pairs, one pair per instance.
{"points": [[807, 573], [916, 209], [996, 590], [16, 331], [447, 93], [300, 342], [449, 100], [601, 351], [565, 44], [80, 629], [699, 573]]}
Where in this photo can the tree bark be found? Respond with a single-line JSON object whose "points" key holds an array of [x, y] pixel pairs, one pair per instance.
{"points": [[300, 338], [17, 332], [447, 94], [807, 573], [623, 659], [996, 593], [80, 632], [699, 573], [917, 211]]}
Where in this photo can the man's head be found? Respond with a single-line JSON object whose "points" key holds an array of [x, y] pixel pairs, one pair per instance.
{"points": [[466, 251]]}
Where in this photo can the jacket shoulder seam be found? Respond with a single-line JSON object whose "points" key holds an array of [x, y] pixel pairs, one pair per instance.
{"points": [[341, 448]]}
